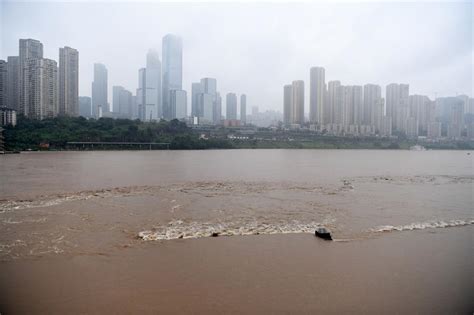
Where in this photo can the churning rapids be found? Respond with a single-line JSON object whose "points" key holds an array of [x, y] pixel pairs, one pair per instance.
{"points": [[92, 205]]}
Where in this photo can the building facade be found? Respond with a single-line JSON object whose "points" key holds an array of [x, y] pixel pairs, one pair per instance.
{"points": [[231, 106], [172, 70], [68, 81], [30, 49], [317, 95], [99, 91], [243, 109]]}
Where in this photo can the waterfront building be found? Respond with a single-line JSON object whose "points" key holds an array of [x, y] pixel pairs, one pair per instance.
{"points": [[7, 116], [13, 82], [287, 101], [141, 95], [217, 116], [196, 89], [172, 70], [297, 102], [29, 49], [231, 106], [68, 87], [178, 104], [243, 109], [3, 83], [99, 90], [334, 99], [42, 88], [397, 105], [85, 106], [317, 94], [153, 101]]}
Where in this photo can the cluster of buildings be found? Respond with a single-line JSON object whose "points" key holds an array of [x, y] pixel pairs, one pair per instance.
{"points": [[160, 93], [38, 87], [362, 111]]}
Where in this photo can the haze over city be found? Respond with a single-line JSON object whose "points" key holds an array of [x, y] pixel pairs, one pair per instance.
{"points": [[256, 48]]}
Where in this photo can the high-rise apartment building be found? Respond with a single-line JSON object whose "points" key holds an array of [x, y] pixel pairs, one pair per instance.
{"points": [[68, 81], [334, 99], [287, 101], [29, 49], [371, 111], [13, 82], [172, 70], [42, 88], [99, 90], [3, 83], [297, 102], [317, 95], [396, 98], [243, 109]]}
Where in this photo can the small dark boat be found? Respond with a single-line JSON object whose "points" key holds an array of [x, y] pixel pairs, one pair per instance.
{"points": [[323, 233]]}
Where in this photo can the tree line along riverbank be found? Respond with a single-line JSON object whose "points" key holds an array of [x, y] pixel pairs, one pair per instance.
{"points": [[58, 134]]}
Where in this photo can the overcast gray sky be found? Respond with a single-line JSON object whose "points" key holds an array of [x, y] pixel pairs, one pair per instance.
{"points": [[256, 48]]}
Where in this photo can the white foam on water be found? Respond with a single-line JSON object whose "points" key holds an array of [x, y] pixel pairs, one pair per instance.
{"points": [[422, 225], [179, 229]]}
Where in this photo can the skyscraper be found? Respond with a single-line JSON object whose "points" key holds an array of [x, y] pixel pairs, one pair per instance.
{"points": [[99, 90], [196, 89], [141, 95], [13, 82], [243, 109], [287, 103], [172, 69], [42, 81], [397, 105], [178, 104], [153, 108], [68, 81], [29, 49], [217, 116], [3, 83], [334, 98], [206, 100], [231, 106], [85, 106], [122, 102], [372, 97], [317, 91], [297, 102]]}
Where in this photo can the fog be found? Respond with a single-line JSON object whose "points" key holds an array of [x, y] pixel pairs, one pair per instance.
{"points": [[256, 48]]}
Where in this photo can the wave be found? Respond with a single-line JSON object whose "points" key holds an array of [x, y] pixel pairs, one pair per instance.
{"points": [[178, 229], [422, 225]]}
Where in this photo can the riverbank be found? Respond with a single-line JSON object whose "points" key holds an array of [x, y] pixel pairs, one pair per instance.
{"points": [[67, 133]]}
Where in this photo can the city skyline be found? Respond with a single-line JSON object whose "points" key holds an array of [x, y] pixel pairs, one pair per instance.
{"points": [[202, 59]]}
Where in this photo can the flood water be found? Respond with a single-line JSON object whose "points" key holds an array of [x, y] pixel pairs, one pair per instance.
{"points": [[76, 204], [51, 201]]}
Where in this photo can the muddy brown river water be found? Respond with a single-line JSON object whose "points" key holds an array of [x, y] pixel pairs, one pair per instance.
{"points": [[117, 231]]}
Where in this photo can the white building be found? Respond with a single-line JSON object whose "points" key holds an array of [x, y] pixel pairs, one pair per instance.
{"points": [[317, 95], [42, 81]]}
